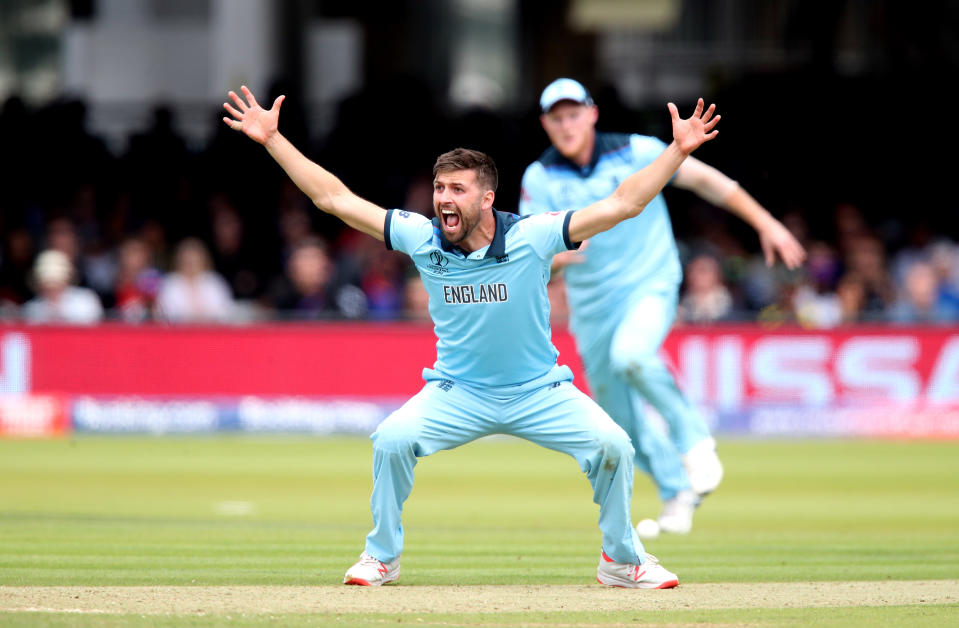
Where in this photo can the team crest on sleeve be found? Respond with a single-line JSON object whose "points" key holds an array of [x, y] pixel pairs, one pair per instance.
{"points": [[403, 213]]}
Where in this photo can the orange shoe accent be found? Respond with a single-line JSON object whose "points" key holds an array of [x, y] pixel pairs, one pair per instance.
{"points": [[359, 581]]}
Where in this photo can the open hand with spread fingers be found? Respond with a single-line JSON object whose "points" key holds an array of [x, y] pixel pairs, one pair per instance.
{"points": [[690, 133], [249, 117]]}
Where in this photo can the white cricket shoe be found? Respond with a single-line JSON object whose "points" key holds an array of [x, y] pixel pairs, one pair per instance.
{"points": [[370, 572], [649, 575], [677, 515], [703, 467]]}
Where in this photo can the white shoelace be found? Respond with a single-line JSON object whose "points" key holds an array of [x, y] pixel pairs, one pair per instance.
{"points": [[366, 559]]}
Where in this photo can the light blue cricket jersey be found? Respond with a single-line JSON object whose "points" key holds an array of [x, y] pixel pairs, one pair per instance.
{"points": [[637, 252], [490, 308]]}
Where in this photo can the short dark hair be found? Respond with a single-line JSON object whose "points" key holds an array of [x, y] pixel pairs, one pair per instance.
{"points": [[466, 159], [310, 242]]}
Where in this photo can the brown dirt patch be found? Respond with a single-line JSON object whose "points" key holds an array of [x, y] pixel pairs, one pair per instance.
{"points": [[469, 599]]}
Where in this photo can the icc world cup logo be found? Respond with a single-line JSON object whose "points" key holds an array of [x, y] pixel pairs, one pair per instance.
{"points": [[438, 259]]}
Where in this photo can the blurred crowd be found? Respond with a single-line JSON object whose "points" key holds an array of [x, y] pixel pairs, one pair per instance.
{"points": [[165, 232], [851, 276]]}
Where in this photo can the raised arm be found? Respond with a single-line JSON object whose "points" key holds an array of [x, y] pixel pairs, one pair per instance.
{"points": [[325, 190], [714, 186], [641, 187]]}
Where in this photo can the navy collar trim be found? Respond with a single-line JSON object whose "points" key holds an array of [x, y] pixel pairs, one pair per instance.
{"points": [[603, 144], [497, 248]]}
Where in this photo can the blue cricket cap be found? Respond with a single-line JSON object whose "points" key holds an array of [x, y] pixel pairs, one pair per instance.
{"points": [[564, 89]]}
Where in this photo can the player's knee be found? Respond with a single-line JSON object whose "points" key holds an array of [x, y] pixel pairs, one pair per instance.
{"points": [[629, 363], [394, 437], [615, 446]]}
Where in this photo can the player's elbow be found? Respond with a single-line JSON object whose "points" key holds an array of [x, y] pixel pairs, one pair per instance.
{"points": [[322, 202], [636, 209], [624, 208], [330, 202]]}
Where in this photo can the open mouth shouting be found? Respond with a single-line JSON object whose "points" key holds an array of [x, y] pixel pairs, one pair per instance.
{"points": [[451, 222]]}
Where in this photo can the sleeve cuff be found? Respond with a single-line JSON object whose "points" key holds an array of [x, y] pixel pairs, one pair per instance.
{"points": [[386, 230], [570, 245]]}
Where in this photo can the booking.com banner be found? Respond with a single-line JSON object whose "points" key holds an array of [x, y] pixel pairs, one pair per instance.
{"points": [[346, 378]]}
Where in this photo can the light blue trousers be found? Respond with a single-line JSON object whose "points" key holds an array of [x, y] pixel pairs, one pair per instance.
{"points": [[446, 414], [623, 368]]}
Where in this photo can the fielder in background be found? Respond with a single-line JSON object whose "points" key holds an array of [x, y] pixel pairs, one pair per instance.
{"points": [[623, 286], [495, 373]]}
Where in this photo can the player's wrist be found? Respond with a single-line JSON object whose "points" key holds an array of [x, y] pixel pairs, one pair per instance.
{"points": [[676, 151], [273, 141]]}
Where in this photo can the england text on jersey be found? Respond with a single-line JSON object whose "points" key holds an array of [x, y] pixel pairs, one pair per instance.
{"points": [[480, 293]]}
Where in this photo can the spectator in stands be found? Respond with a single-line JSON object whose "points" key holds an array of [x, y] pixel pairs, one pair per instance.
{"points": [[761, 285], [919, 301], [822, 266], [916, 247], [380, 273], [818, 310], [95, 255], [232, 253], [849, 225], [137, 281], [193, 293], [295, 228], [705, 299], [865, 256], [58, 301], [310, 289], [154, 235], [92, 267], [416, 300], [815, 301], [61, 235], [851, 297], [382, 283], [16, 257], [944, 257]]}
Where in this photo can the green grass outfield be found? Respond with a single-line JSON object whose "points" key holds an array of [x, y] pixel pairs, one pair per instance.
{"points": [[293, 512]]}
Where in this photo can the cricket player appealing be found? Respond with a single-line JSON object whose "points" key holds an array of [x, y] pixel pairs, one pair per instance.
{"points": [[496, 372], [623, 286]]}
